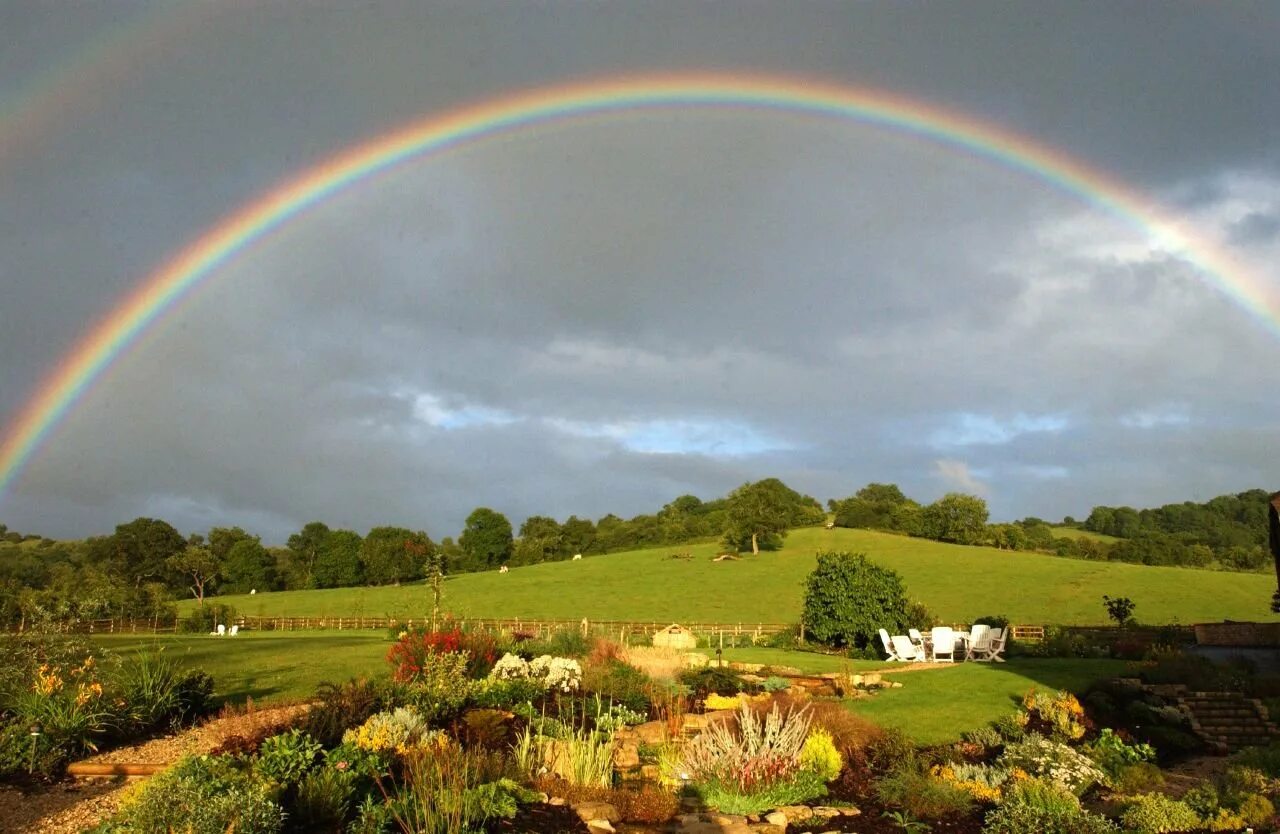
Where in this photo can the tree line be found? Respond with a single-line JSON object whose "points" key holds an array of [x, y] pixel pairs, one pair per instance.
{"points": [[1227, 533], [141, 568]]}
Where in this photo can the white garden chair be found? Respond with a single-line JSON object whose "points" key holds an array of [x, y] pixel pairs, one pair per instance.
{"points": [[887, 644], [944, 643], [221, 630], [917, 638], [235, 629], [999, 636], [979, 639], [905, 649]]}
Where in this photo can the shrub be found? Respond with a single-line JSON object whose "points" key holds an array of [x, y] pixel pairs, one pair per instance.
{"points": [[67, 702], [647, 806], [1040, 757], [567, 642], [1265, 759], [986, 737], [339, 706], [285, 759], [618, 682], [819, 755], [774, 683], [149, 686], [207, 618], [448, 789], [1024, 819], [409, 654], [1155, 813], [1112, 753], [983, 782], [848, 598], [1137, 778], [762, 755], [440, 687], [492, 693], [398, 732], [202, 795], [323, 800], [921, 794], [720, 680], [1058, 712], [890, 750], [729, 798], [1255, 809], [560, 673], [1119, 609]]}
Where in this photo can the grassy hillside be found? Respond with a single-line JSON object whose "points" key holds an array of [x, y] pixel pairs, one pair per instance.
{"points": [[1077, 533], [957, 583]]}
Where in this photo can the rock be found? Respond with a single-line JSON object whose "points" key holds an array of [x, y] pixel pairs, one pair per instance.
{"points": [[768, 828], [746, 667], [591, 810], [846, 810], [600, 825], [776, 818], [557, 800], [694, 723], [785, 671], [651, 732], [626, 756], [796, 813]]}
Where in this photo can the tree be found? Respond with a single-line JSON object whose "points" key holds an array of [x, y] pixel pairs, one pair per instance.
{"points": [[849, 598], [540, 540], [391, 555], [486, 538], [200, 564], [248, 567], [142, 549], [759, 513], [338, 565], [306, 546], [955, 517], [577, 535], [222, 539]]}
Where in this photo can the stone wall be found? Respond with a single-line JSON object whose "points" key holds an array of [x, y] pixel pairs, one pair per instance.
{"points": [[1238, 634]]}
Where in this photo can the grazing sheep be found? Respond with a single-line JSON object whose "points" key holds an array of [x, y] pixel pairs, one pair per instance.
{"points": [[576, 557]]}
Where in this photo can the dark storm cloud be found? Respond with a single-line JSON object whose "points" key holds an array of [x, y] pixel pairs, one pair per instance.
{"points": [[601, 316]]}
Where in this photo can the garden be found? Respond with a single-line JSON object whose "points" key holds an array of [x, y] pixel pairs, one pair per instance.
{"points": [[449, 728]]}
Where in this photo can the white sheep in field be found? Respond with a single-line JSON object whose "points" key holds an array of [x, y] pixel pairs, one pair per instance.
{"points": [[576, 557]]}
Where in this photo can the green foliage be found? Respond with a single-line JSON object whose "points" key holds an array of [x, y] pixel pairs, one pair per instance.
{"points": [[955, 517], [323, 800], [1112, 753], [199, 565], [921, 794], [390, 555], [201, 795], [249, 567], [1042, 758], [284, 759], [140, 550], [728, 798], [773, 683], [819, 755], [493, 693], [1264, 759], [1155, 813], [567, 642], [207, 619], [150, 685], [618, 682], [848, 598], [1119, 609], [720, 680], [877, 507], [486, 538], [339, 706], [1137, 778], [1023, 819], [450, 790], [338, 562]]}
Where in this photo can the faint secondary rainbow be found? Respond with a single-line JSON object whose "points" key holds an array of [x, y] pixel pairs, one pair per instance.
{"points": [[437, 132]]}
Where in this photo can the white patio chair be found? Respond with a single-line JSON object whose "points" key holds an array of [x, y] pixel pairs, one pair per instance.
{"points": [[917, 638], [996, 645], [979, 639], [888, 645], [222, 630], [905, 649], [944, 643], [235, 629]]}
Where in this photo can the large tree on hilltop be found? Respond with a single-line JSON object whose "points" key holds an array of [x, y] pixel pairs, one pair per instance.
{"points": [[486, 538]]}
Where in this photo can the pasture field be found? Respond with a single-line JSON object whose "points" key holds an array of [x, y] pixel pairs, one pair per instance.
{"points": [[933, 706], [1077, 533], [957, 583]]}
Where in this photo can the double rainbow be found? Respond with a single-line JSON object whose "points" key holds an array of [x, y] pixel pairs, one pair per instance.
{"points": [[435, 133]]}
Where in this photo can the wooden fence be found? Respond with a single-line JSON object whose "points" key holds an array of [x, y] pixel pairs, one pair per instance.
{"points": [[730, 633]]}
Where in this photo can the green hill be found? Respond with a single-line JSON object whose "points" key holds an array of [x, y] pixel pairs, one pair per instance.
{"points": [[957, 583], [1077, 533]]}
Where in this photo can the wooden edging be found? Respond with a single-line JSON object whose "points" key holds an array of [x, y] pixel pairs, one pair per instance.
{"points": [[83, 769]]}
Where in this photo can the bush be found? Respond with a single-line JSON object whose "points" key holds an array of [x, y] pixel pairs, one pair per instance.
{"points": [[849, 598], [1042, 758], [1112, 753], [411, 651], [1025, 819], [720, 680], [207, 618], [286, 758], [1155, 813], [819, 756], [564, 643], [730, 798], [1141, 777], [1057, 712], [618, 682], [1265, 759], [339, 706], [202, 795], [774, 683], [1255, 809], [922, 794], [323, 801], [493, 693]]}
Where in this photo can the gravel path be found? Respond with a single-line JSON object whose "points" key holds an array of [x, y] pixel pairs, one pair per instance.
{"points": [[71, 806]]}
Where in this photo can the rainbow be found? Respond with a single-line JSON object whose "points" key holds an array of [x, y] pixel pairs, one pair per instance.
{"points": [[435, 133]]}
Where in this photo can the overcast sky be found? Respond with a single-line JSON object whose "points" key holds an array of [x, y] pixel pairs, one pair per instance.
{"points": [[599, 316]]}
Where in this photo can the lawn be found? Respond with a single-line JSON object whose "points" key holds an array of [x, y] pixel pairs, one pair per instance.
{"points": [[957, 583], [1077, 533], [933, 706], [267, 666]]}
